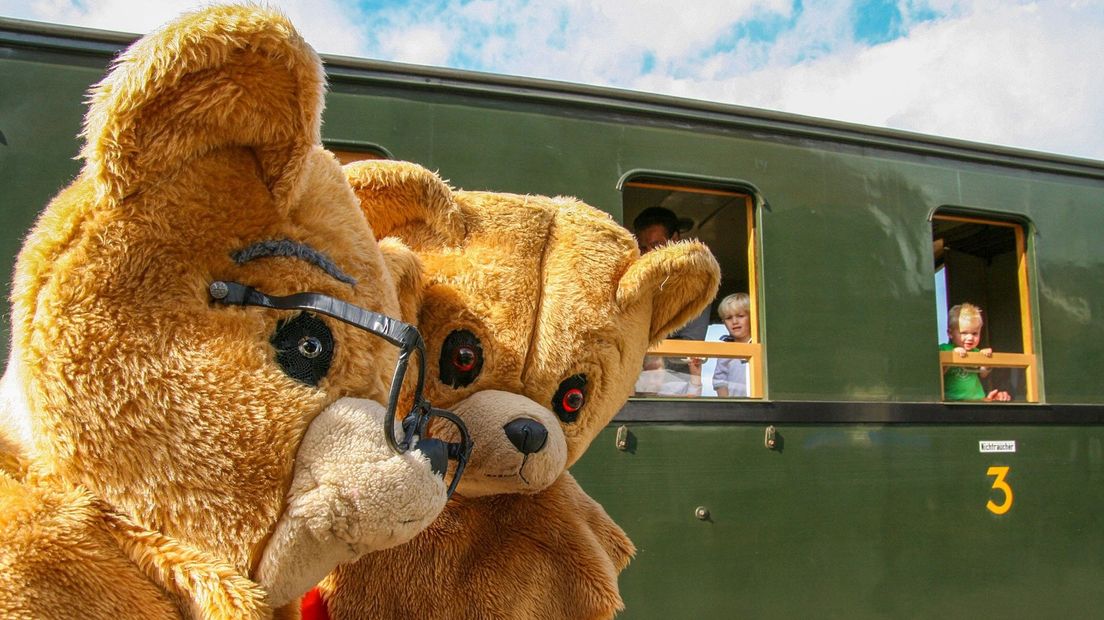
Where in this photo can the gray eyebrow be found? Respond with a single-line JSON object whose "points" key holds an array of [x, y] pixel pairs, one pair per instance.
{"points": [[293, 249]]}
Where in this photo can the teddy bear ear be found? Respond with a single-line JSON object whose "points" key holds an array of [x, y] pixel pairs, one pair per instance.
{"points": [[406, 200], [680, 278], [406, 272], [224, 76]]}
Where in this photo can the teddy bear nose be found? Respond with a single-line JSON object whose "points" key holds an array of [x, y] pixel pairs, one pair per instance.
{"points": [[527, 435]]}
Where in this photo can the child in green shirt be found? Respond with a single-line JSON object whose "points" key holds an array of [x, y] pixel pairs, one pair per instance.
{"points": [[964, 334]]}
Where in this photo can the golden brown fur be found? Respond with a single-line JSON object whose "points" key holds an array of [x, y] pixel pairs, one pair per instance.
{"points": [[152, 445], [552, 289], [553, 554], [52, 538]]}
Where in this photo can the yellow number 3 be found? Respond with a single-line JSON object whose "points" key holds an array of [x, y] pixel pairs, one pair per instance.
{"points": [[1002, 486]]}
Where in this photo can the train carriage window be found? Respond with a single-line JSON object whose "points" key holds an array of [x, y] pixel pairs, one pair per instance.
{"points": [[722, 216], [983, 263]]}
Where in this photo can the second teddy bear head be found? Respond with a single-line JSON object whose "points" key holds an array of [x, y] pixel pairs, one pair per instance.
{"points": [[536, 314]]}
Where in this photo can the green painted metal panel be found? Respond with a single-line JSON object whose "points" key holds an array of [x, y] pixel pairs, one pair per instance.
{"points": [[855, 521], [37, 157]]}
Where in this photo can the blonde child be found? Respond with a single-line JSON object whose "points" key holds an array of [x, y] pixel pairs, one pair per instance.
{"points": [[964, 324], [730, 377]]}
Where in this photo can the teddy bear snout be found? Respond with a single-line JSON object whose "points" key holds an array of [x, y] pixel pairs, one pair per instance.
{"points": [[527, 435]]}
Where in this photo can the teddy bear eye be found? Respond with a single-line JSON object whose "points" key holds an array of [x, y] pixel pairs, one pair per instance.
{"points": [[570, 398], [304, 347], [573, 400], [461, 359], [310, 347]]}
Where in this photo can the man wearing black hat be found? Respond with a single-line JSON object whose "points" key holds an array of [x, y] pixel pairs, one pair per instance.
{"points": [[654, 227]]}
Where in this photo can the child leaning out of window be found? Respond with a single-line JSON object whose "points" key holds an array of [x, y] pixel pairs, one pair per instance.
{"points": [[964, 334]]}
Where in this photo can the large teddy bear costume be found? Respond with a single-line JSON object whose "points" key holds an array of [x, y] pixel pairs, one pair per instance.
{"points": [[169, 446], [537, 313]]}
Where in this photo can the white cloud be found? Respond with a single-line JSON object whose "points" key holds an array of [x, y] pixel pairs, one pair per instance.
{"points": [[1014, 75], [1021, 75], [326, 21], [578, 40], [417, 44], [120, 15], [669, 29]]}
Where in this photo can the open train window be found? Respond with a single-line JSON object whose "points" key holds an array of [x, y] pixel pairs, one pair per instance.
{"points": [[720, 214], [983, 263]]}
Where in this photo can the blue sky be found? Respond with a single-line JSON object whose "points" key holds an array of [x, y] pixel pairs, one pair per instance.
{"points": [[1012, 72]]}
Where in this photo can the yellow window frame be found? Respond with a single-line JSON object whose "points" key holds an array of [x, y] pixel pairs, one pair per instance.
{"points": [[1026, 360], [750, 351]]}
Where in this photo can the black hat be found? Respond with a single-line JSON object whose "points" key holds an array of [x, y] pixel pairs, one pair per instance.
{"points": [[663, 216]]}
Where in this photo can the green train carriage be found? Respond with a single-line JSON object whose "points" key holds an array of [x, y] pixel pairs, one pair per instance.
{"points": [[845, 486]]}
